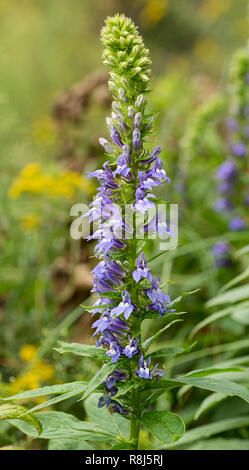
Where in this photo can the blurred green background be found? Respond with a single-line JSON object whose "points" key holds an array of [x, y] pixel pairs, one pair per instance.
{"points": [[53, 103]]}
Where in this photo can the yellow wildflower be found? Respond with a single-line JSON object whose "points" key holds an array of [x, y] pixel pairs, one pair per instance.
{"points": [[153, 12], [28, 352], [34, 180], [30, 221], [213, 9]]}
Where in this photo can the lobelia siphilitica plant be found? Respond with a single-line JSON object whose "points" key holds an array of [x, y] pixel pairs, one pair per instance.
{"points": [[122, 395], [127, 290], [232, 175]]}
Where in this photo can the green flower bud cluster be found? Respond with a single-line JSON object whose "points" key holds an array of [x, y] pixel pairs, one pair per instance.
{"points": [[125, 53]]}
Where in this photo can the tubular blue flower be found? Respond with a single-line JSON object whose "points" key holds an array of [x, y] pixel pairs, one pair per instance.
{"points": [[152, 156], [156, 294], [157, 373], [115, 407], [158, 225], [222, 253], [142, 271], [143, 204], [126, 306], [115, 136], [223, 204], [239, 149], [131, 348], [143, 371], [114, 351], [227, 171], [114, 377], [237, 224]]}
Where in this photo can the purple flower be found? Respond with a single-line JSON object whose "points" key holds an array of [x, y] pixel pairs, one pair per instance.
{"points": [[155, 294], [126, 306], [115, 407], [222, 204], [222, 254], [105, 272], [106, 322], [227, 171], [122, 167], [115, 136], [221, 248], [232, 124], [158, 172], [157, 373], [131, 348], [142, 271], [114, 377], [152, 156], [104, 400], [238, 149], [105, 144], [114, 352], [143, 371], [143, 204], [158, 225], [237, 224]]}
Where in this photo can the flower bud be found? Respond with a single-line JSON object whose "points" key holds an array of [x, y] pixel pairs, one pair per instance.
{"points": [[136, 140], [138, 120]]}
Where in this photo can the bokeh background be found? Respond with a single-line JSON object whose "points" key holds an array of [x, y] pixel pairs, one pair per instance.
{"points": [[53, 103]]}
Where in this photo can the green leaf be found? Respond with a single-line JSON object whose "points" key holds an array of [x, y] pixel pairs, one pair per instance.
{"points": [[185, 294], [50, 390], [60, 398], [146, 344], [217, 385], [210, 402], [81, 350], [230, 297], [172, 351], [211, 429], [59, 425], [68, 444], [112, 422], [212, 371], [220, 444], [10, 411], [99, 377], [242, 316], [236, 280], [240, 309], [164, 425]]}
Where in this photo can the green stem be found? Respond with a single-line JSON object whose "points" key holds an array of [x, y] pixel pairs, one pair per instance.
{"points": [[135, 422]]}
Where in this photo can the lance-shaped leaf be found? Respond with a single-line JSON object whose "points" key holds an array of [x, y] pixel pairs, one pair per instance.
{"points": [[50, 390], [211, 429], [81, 350], [153, 338], [59, 425], [10, 411], [167, 427], [99, 378], [171, 351]]}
